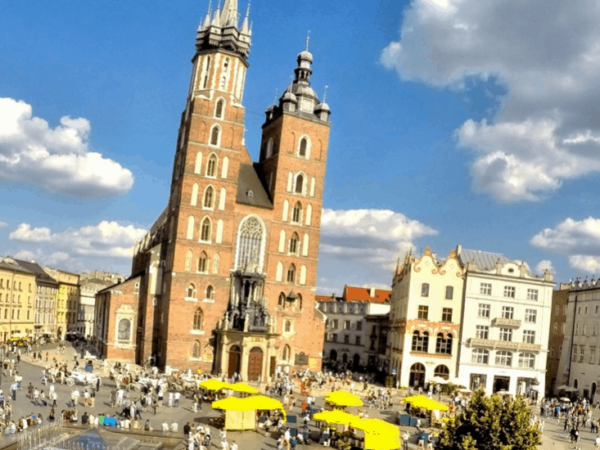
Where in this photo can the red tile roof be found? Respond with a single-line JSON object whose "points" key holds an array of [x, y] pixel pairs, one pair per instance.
{"points": [[363, 294], [323, 298]]}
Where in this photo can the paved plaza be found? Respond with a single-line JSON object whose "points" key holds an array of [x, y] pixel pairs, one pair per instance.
{"points": [[554, 438]]}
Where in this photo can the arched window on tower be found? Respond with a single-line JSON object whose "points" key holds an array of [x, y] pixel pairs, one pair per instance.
{"points": [[303, 148], [211, 166], [215, 135], [281, 300], [294, 244], [299, 189], [196, 349], [270, 148], [291, 274], [209, 197], [286, 352], [210, 293], [206, 71], [297, 213], [299, 301], [198, 319], [205, 230], [203, 263], [219, 109], [190, 291]]}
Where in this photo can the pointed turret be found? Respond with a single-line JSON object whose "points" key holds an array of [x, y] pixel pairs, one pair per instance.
{"points": [[245, 26], [206, 23], [216, 22], [229, 15]]}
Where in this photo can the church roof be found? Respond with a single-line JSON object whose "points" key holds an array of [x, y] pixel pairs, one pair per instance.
{"points": [[250, 188], [363, 294]]}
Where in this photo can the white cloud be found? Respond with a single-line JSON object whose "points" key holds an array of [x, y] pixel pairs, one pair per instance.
{"points": [[25, 233], [3, 224], [109, 240], [57, 159], [365, 243], [546, 54], [544, 265], [578, 239]]}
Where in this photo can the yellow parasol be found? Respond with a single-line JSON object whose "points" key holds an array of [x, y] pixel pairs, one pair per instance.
{"points": [[379, 434], [343, 398], [213, 384], [231, 404], [243, 387], [420, 401], [264, 403], [337, 417]]}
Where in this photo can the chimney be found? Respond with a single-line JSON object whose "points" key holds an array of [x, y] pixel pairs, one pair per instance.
{"points": [[372, 292]]}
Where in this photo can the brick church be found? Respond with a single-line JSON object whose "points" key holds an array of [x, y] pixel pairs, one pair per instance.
{"points": [[225, 279]]}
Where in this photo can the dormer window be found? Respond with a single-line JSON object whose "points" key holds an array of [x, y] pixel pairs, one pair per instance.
{"points": [[250, 193]]}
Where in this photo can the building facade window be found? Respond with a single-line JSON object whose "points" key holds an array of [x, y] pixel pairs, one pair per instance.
{"points": [[211, 166], [529, 336], [532, 294], [443, 345], [592, 355], [508, 312], [509, 291], [506, 334], [203, 263], [484, 310], [446, 314], [504, 358], [205, 230], [485, 289], [209, 198], [297, 213], [482, 332], [420, 342], [198, 320], [526, 361], [190, 291], [210, 293], [425, 290], [449, 292], [480, 356], [530, 315], [291, 274], [423, 312]]}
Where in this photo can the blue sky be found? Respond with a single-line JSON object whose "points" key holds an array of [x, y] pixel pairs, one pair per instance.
{"points": [[453, 123]]}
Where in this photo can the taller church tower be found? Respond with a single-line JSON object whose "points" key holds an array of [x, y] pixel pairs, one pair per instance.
{"points": [[229, 270]]}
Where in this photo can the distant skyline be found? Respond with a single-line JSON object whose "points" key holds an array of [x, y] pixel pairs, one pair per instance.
{"points": [[452, 123]]}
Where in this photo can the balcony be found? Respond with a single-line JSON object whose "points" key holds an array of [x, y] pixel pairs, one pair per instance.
{"points": [[502, 322], [504, 345]]}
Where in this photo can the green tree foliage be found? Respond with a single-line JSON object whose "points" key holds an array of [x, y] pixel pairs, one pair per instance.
{"points": [[491, 423]]}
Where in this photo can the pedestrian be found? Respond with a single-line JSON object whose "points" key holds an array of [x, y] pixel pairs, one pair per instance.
{"points": [[177, 397], [86, 398], [13, 389], [92, 398]]}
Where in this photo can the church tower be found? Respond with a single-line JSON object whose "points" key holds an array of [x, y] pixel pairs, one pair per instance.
{"points": [[228, 272]]}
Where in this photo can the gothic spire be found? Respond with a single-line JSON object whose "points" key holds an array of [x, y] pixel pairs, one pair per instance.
{"points": [[245, 28], [229, 15]]}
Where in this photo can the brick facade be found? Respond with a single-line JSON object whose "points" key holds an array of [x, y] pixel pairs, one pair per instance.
{"points": [[232, 261]]}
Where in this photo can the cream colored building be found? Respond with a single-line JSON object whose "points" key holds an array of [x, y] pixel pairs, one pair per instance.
{"points": [[17, 295], [425, 318], [505, 325]]}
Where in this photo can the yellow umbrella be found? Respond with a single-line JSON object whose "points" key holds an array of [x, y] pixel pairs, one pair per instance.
{"points": [[420, 401], [231, 404], [336, 416], [375, 426], [343, 398], [263, 403], [379, 434], [213, 384], [243, 387]]}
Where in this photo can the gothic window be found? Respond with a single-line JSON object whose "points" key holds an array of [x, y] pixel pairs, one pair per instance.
{"points": [[205, 230], [196, 349], [291, 274], [206, 70], [270, 148], [299, 189], [250, 245], [209, 197], [188, 260], [124, 330], [303, 148], [288, 326], [210, 293], [198, 319], [299, 301], [286, 352], [281, 301], [211, 167], [203, 263], [219, 109], [190, 291], [297, 213], [215, 135], [294, 244], [216, 261]]}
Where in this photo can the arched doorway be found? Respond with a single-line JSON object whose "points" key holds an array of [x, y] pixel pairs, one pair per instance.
{"points": [[255, 362], [235, 357], [333, 355], [417, 375], [593, 393], [442, 371], [356, 360], [345, 358], [575, 384]]}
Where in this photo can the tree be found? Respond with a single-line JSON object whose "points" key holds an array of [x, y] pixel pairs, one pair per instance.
{"points": [[491, 423]]}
